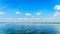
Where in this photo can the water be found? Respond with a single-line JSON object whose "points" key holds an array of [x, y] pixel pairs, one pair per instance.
{"points": [[19, 28]]}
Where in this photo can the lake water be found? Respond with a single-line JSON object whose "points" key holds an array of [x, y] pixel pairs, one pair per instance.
{"points": [[19, 28]]}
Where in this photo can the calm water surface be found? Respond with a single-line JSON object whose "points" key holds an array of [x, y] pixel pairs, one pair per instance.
{"points": [[18, 28]]}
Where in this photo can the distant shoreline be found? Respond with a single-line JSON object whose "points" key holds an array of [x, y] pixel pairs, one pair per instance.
{"points": [[34, 22]]}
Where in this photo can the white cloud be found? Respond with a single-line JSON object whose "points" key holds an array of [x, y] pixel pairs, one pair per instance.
{"points": [[57, 7], [28, 14], [38, 13], [17, 12], [57, 14], [1, 13]]}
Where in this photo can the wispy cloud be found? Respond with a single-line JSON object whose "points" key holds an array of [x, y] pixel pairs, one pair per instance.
{"points": [[1, 13], [57, 14], [28, 14], [3, 7]]}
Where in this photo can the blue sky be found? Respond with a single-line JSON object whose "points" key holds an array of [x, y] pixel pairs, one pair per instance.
{"points": [[30, 9]]}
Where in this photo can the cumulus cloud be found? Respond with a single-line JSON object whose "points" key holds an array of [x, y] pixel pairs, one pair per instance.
{"points": [[38, 13], [57, 7], [57, 14], [1, 13], [28, 14], [17, 12]]}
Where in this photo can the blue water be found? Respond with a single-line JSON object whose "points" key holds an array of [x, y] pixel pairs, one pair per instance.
{"points": [[17, 28]]}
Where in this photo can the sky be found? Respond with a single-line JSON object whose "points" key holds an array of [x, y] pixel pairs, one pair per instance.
{"points": [[30, 10]]}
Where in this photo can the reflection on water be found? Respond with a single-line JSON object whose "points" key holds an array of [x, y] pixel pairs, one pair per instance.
{"points": [[14, 28]]}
